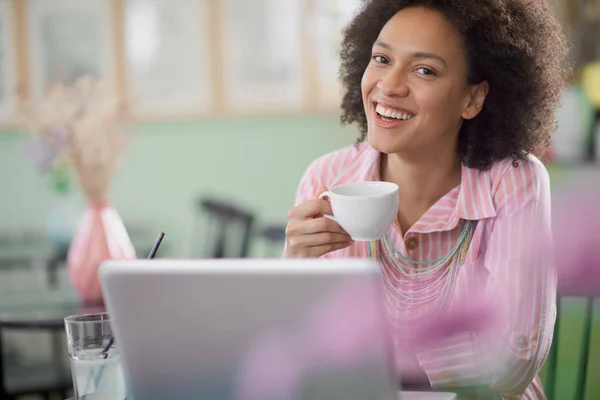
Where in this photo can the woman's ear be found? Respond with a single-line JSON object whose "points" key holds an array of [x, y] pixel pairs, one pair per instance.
{"points": [[477, 96]]}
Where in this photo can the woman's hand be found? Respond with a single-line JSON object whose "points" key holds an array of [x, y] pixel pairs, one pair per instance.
{"points": [[309, 234]]}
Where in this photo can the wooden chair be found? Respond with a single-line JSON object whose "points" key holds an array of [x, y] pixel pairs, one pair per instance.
{"points": [[273, 237], [228, 229], [551, 362]]}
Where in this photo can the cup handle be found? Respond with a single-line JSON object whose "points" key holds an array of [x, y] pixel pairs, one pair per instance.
{"points": [[327, 194]]}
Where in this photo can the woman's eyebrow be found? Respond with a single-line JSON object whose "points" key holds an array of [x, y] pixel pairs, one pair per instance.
{"points": [[417, 55]]}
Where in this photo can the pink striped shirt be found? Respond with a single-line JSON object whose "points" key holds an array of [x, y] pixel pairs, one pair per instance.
{"points": [[507, 202]]}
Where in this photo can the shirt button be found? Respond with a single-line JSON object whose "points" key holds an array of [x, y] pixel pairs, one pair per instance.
{"points": [[521, 342], [412, 243]]}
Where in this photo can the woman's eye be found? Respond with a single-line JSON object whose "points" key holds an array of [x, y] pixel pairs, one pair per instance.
{"points": [[380, 60], [425, 71]]}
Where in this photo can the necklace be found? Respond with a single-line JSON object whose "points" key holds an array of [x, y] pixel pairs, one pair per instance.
{"points": [[414, 289]]}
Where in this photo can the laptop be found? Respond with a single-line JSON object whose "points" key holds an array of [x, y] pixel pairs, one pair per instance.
{"points": [[249, 329]]}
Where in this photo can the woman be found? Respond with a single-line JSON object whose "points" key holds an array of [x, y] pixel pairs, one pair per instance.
{"points": [[452, 98]]}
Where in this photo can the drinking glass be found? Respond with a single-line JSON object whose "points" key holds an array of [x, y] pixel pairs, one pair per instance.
{"points": [[95, 366]]}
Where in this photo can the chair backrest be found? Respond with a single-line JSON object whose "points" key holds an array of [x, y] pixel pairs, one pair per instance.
{"points": [[273, 237], [228, 229], [552, 360]]}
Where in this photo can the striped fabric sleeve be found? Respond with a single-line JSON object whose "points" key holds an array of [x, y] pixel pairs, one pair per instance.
{"points": [[521, 281], [307, 188]]}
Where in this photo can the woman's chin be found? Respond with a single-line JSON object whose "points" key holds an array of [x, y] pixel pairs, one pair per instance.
{"points": [[384, 146]]}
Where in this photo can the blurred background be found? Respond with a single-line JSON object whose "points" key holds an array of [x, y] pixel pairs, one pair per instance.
{"points": [[221, 105]]}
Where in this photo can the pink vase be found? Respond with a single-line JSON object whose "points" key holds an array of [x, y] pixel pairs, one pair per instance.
{"points": [[100, 236]]}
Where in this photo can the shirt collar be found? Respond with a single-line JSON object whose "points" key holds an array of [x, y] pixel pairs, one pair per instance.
{"points": [[474, 201], [363, 167]]}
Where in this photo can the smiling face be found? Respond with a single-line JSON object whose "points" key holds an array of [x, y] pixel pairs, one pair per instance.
{"points": [[415, 89]]}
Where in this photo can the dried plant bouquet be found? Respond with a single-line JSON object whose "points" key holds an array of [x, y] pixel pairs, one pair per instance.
{"points": [[80, 125]]}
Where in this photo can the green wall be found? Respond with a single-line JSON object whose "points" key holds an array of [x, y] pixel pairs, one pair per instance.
{"points": [[257, 162]]}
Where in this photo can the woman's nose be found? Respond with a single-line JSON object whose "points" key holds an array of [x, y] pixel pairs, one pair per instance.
{"points": [[393, 84]]}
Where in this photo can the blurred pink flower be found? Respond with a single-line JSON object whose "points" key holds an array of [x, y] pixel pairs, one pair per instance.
{"points": [[46, 148], [271, 370], [341, 331], [576, 229], [58, 136], [42, 154], [348, 325], [470, 312]]}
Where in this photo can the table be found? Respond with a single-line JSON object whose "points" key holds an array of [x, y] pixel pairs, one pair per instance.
{"points": [[45, 317]]}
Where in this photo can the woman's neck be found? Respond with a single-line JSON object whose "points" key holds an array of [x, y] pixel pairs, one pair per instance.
{"points": [[422, 182]]}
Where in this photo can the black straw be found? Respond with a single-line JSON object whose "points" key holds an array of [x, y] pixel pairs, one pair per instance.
{"points": [[153, 251], [156, 244]]}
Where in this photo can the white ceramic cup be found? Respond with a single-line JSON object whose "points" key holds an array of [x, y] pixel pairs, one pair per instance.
{"points": [[364, 209]]}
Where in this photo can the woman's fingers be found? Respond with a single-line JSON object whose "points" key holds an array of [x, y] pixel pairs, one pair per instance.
{"points": [[315, 225]]}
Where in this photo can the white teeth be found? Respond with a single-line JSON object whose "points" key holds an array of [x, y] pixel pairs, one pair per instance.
{"points": [[386, 112]]}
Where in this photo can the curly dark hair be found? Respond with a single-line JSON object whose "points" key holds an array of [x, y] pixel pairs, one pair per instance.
{"points": [[517, 46]]}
